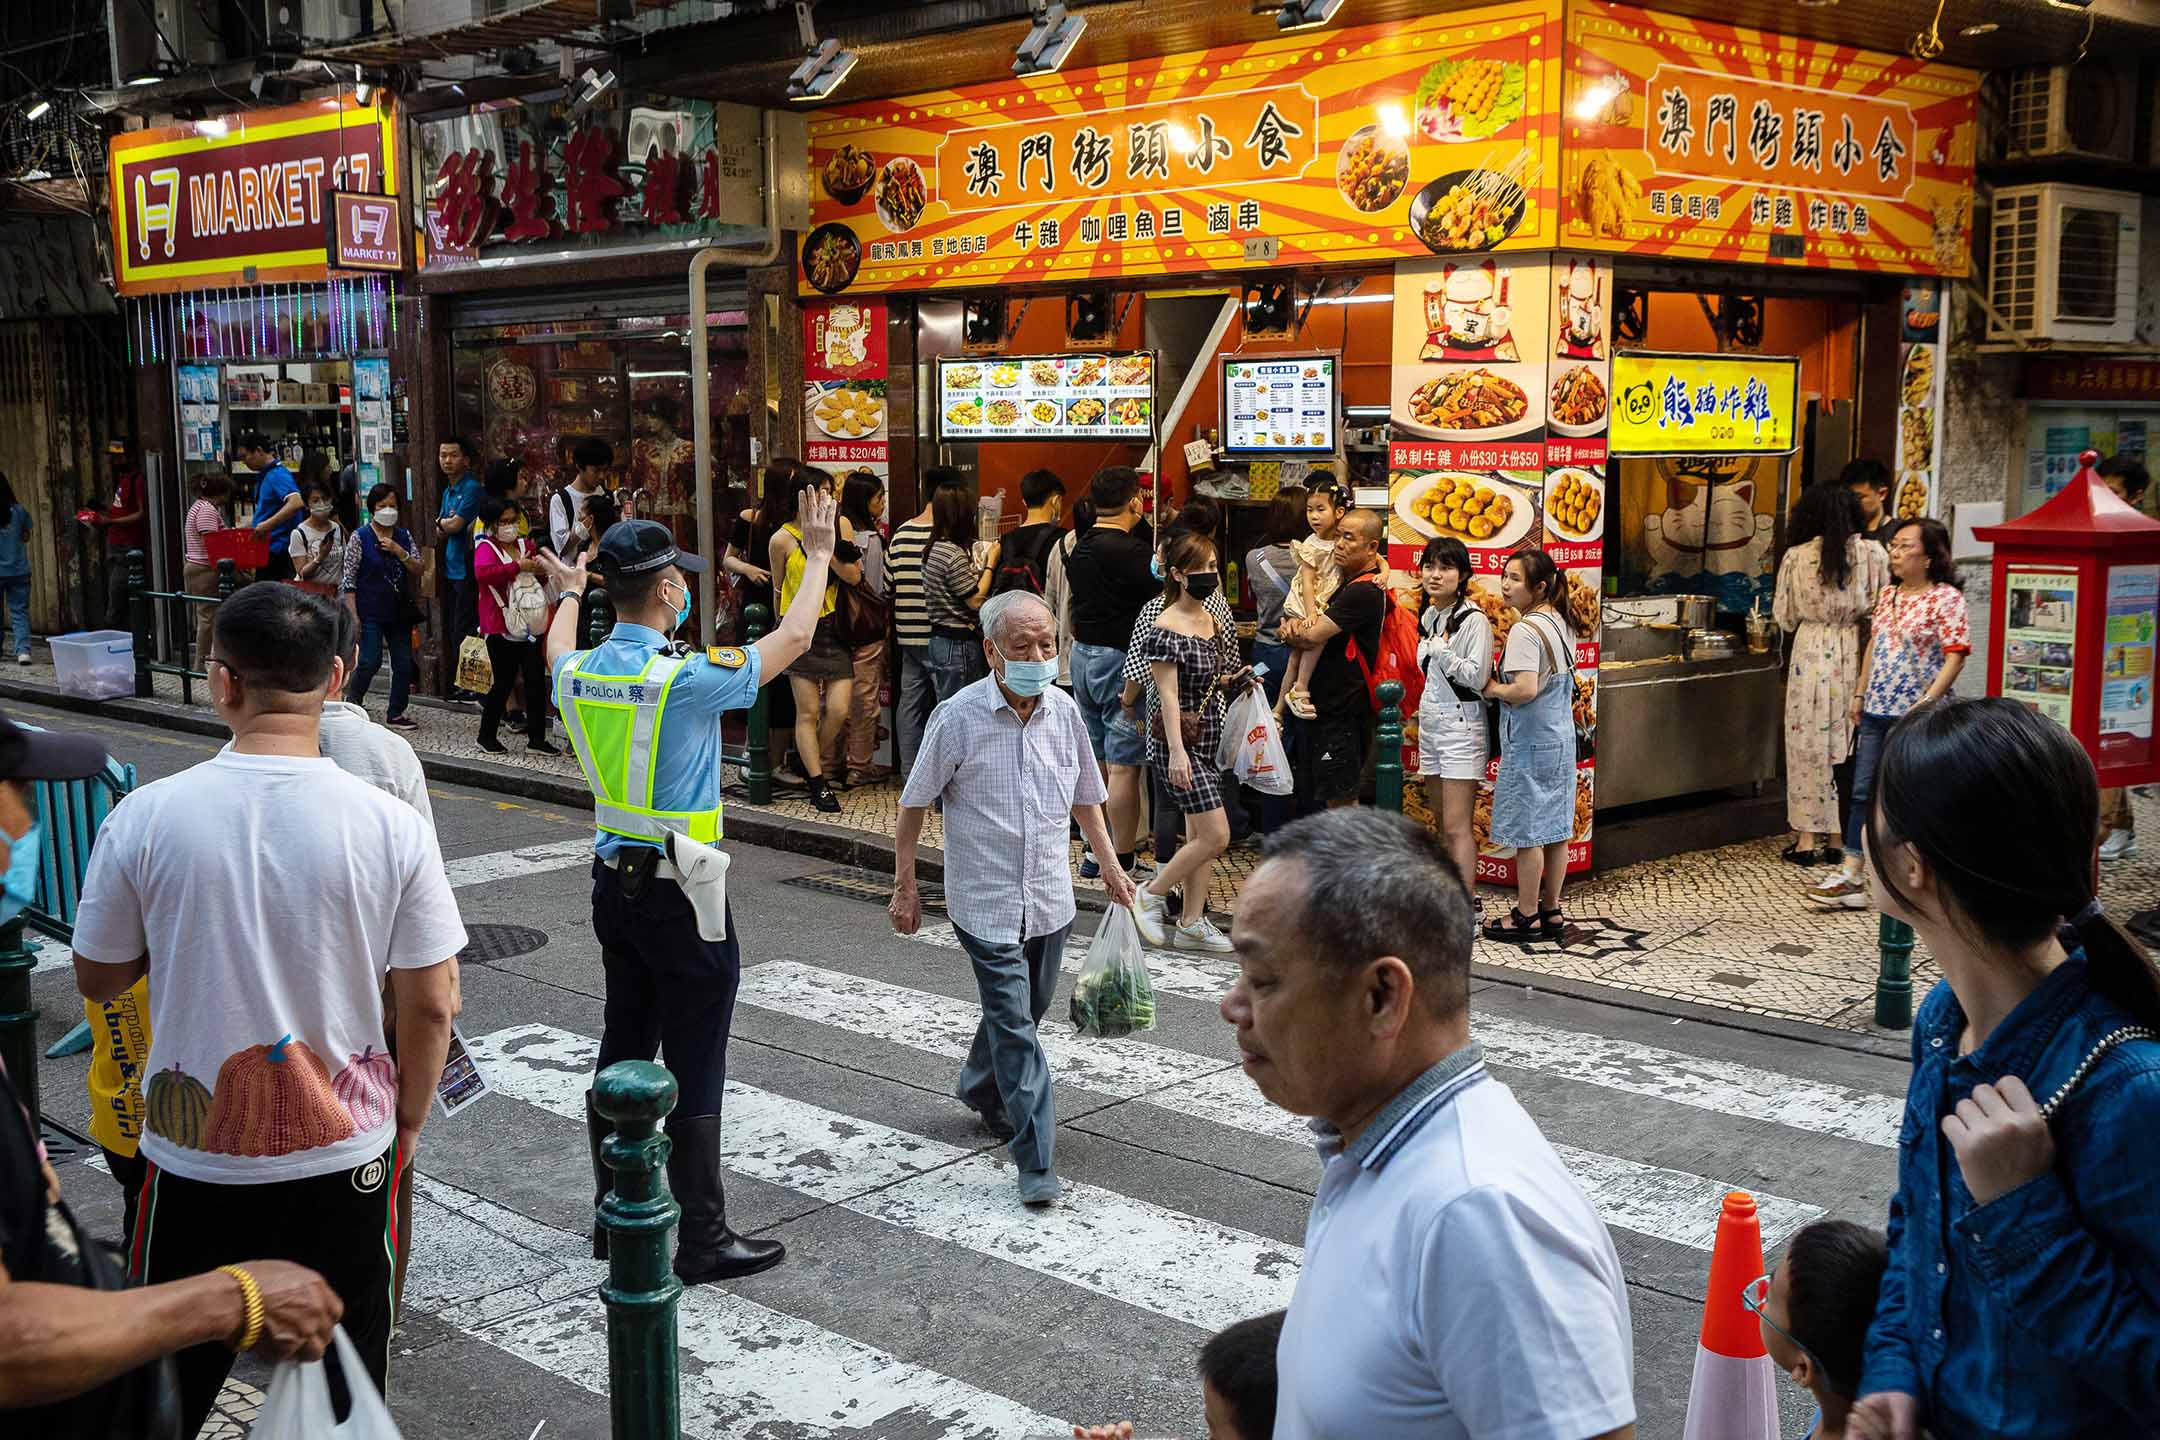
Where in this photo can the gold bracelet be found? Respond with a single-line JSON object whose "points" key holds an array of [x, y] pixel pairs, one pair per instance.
{"points": [[251, 1299]]}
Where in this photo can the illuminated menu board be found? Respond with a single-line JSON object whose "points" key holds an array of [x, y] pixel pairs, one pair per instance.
{"points": [[1046, 397], [1280, 405]]}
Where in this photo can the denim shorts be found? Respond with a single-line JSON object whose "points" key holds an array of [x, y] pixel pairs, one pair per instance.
{"points": [[1098, 678]]}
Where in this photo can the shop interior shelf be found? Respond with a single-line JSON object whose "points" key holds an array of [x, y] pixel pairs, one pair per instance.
{"points": [[283, 407]]}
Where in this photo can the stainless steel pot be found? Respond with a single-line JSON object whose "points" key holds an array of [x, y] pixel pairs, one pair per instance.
{"points": [[1712, 645], [1696, 612]]}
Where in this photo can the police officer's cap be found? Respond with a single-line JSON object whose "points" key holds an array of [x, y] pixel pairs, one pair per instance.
{"points": [[638, 547]]}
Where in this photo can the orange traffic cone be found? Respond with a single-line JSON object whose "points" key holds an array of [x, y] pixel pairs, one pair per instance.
{"points": [[1734, 1392]]}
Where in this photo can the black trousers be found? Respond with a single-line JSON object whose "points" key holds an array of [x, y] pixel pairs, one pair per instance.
{"points": [[127, 1173], [668, 989], [511, 661], [341, 1225]]}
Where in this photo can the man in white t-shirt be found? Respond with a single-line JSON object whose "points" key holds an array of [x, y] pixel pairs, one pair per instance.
{"points": [[567, 530], [1457, 1282], [274, 1123]]}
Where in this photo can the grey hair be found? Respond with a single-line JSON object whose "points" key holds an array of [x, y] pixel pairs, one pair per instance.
{"points": [[1000, 606], [1379, 884]]}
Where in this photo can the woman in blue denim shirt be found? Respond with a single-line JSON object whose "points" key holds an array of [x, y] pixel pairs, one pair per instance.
{"points": [[2023, 1294]]}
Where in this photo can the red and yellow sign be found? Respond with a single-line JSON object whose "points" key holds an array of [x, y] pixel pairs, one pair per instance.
{"points": [[244, 199], [1344, 145], [1709, 141]]}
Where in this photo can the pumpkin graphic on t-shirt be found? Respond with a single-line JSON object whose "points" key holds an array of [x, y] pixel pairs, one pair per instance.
{"points": [[367, 1087], [273, 1100], [175, 1105]]}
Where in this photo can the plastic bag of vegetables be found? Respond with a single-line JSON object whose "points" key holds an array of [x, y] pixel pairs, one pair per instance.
{"points": [[1114, 995]]}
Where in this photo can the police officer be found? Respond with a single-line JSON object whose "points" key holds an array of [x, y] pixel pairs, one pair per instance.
{"points": [[644, 718]]}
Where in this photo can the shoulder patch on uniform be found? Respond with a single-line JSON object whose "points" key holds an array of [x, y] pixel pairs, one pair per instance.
{"points": [[727, 657]]}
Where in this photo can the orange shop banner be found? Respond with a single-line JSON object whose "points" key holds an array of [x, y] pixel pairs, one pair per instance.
{"points": [[242, 199], [1709, 141], [1434, 136]]}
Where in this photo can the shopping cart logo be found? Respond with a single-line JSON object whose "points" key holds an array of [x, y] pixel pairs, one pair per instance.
{"points": [[367, 235], [156, 216]]}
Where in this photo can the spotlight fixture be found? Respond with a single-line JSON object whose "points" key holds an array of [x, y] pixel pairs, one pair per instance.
{"points": [[38, 111], [361, 89], [1306, 14], [148, 77], [824, 64], [1270, 308], [1049, 41], [982, 323], [1089, 317], [595, 86], [214, 127]]}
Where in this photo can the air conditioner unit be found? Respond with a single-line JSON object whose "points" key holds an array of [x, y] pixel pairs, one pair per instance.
{"points": [[296, 25], [2088, 109], [2063, 264]]}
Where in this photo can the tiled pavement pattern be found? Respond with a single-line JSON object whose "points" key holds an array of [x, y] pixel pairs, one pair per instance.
{"points": [[1724, 928]]}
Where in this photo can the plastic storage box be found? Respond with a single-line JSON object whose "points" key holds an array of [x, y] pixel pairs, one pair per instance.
{"points": [[95, 664]]}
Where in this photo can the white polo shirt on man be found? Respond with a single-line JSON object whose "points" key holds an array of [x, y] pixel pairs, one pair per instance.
{"points": [[1457, 1282]]}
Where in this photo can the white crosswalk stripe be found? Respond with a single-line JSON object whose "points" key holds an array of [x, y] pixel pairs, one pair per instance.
{"points": [[1647, 1199]]}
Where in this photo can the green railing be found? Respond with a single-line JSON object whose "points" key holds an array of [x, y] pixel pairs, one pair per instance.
{"points": [[142, 611]]}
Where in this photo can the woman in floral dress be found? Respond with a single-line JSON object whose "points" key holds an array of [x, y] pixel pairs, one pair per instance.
{"points": [[1826, 584]]}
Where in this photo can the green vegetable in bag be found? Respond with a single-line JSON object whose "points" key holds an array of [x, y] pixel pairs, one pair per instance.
{"points": [[1114, 995]]}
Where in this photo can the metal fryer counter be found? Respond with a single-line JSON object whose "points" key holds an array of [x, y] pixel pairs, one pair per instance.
{"points": [[1670, 726]]}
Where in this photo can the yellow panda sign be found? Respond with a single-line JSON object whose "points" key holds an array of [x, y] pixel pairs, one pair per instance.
{"points": [[1704, 404]]}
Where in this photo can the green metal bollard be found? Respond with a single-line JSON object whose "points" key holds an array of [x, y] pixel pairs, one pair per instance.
{"points": [[644, 1387], [757, 775], [1893, 982], [18, 1017], [1387, 765], [138, 585], [599, 617]]}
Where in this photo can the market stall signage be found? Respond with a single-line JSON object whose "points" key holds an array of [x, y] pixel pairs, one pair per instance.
{"points": [[1046, 397], [1692, 138], [367, 232], [1704, 404], [1436, 135], [244, 199], [845, 415]]}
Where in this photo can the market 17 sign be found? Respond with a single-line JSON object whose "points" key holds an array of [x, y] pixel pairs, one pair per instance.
{"points": [[1197, 161], [1704, 404], [1695, 138], [242, 199]]}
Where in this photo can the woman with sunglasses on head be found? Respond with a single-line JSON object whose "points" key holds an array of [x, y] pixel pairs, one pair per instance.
{"points": [[2023, 1292]]}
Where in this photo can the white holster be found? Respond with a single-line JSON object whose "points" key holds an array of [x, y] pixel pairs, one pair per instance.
{"points": [[701, 870]]}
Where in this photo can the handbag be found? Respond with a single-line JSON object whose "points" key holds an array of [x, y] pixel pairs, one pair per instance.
{"points": [[860, 616]]}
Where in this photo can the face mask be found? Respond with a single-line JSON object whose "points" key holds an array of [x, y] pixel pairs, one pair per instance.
{"points": [[320, 509], [682, 616], [19, 886], [1027, 678], [1199, 587], [1154, 566], [508, 534], [387, 517]]}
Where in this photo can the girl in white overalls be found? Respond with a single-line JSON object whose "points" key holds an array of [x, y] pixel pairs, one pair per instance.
{"points": [[1456, 650], [1534, 795]]}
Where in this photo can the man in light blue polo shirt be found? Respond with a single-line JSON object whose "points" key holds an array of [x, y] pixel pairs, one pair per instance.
{"points": [[1457, 1284]]}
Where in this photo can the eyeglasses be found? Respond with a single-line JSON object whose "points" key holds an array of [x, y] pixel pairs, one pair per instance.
{"points": [[1756, 1296]]}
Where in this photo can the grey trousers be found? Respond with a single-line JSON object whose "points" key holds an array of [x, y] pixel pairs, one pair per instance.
{"points": [[1006, 1067], [912, 706]]}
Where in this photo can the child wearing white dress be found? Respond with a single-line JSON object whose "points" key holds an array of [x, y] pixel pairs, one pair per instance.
{"points": [[1314, 585]]}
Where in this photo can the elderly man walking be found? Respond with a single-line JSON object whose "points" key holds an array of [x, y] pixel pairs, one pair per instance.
{"points": [[1457, 1282], [1009, 757]]}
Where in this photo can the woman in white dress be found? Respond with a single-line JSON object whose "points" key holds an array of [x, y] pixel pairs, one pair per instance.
{"points": [[1457, 653]]}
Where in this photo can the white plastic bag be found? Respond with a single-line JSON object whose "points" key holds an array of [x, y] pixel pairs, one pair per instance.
{"points": [[1114, 995], [1252, 747], [299, 1404]]}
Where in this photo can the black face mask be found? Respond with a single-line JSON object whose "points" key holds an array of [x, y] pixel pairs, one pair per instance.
{"points": [[1201, 586]]}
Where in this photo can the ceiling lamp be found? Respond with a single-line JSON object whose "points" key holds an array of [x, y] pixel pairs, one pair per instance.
{"points": [[824, 64], [38, 111], [1049, 41]]}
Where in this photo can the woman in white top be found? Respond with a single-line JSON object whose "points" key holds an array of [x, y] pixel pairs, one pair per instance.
{"points": [[1457, 653], [318, 541]]}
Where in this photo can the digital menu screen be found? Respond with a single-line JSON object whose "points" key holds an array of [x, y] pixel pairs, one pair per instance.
{"points": [[1046, 397], [1280, 405]]}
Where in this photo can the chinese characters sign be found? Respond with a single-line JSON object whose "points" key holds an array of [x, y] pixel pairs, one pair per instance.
{"points": [[1704, 404], [844, 395], [1434, 135], [1705, 140], [244, 199]]}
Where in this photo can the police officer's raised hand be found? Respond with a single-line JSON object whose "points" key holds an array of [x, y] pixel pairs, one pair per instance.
{"points": [[564, 575], [819, 516]]}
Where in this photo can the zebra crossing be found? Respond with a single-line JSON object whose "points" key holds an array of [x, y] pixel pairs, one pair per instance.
{"points": [[753, 1366]]}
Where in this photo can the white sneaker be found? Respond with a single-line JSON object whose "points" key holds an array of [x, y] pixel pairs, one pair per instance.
{"points": [[2119, 845], [1152, 912], [23, 658], [1201, 935]]}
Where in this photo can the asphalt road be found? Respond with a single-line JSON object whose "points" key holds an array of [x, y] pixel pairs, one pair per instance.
{"points": [[919, 1299]]}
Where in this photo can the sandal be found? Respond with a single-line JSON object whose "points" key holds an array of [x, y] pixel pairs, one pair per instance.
{"points": [[1515, 927], [1793, 855], [1551, 924]]}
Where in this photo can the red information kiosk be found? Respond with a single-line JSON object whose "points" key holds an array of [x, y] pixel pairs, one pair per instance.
{"points": [[2072, 621]]}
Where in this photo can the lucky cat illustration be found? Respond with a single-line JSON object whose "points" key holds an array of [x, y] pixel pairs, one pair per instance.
{"points": [[1739, 539]]}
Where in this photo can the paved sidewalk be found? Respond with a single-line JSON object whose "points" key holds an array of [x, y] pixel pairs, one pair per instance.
{"points": [[1726, 929]]}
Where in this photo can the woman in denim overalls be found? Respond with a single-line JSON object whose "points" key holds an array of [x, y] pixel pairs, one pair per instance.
{"points": [[1534, 795]]}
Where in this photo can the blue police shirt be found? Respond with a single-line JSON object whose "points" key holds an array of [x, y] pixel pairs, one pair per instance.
{"points": [[687, 765], [271, 491]]}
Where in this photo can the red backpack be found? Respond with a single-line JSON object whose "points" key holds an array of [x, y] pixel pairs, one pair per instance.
{"points": [[1398, 658]]}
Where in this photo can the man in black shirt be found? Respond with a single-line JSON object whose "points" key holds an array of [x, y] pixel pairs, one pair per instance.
{"points": [[1111, 578], [1337, 740], [1869, 481]]}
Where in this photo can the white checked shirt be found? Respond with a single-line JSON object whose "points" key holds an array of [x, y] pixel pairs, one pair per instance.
{"points": [[1009, 790]]}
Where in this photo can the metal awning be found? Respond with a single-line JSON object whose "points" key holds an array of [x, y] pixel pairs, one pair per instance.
{"points": [[542, 22]]}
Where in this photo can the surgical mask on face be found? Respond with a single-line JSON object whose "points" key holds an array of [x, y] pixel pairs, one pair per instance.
{"points": [[18, 887], [1199, 587], [1027, 678], [320, 508], [682, 616], [1154, 566], [387, 517], [507, 533]]}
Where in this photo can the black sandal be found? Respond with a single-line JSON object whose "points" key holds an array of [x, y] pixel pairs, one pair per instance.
{"points": [[1551, 924], [1793, 855], [1515, 928]]}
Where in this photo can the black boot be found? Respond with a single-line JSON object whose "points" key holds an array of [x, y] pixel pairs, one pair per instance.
{"points": [[707, 1249], [597, 1128]]}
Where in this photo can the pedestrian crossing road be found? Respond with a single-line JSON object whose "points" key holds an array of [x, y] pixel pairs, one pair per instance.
{"points": [[919, 1299]]}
